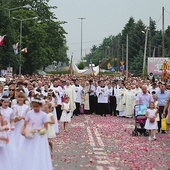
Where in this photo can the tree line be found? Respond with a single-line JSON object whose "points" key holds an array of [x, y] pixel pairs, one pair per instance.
{"points": [[113, 48], [44, 37]]}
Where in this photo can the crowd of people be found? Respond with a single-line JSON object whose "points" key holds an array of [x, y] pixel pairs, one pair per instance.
{"points": [[32, 106]]}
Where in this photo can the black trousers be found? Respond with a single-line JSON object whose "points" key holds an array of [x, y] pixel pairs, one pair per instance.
{"points": [[92, 104], [161, 108], [103, 109], [113, 105], [77, 110], [95, 104], [59, 112]]}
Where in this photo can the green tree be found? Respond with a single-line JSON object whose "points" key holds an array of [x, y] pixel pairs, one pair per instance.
{"points": [[167, 42], [81, 65], [44, 38]]}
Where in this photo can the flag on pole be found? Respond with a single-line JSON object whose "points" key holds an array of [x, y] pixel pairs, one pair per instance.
{"points": [[15, 48], [2, 40], [24, 50]]}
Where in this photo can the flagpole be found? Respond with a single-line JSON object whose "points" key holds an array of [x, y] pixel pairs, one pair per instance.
{"points": [[20, 47], [21, 21], [144, 57]]}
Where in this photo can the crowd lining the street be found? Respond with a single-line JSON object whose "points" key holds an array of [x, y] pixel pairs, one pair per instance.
{"points": [[32, 106]]}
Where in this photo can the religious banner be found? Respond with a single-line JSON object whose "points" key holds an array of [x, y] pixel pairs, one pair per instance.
{"points": [[9, 71], [155, 65], [3, 73]]}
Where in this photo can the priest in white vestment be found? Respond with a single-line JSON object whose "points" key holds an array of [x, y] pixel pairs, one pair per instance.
{"points": [[70, 92], [86, 96], [129, 101], [121, 99]]}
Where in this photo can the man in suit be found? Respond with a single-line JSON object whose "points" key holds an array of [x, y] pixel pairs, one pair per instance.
{"points": [[113, 103]]}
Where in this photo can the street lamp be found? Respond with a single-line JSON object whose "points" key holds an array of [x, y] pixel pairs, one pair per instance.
{"points": [[21, 21], [144, 57], [11, 9], [81, 37]]}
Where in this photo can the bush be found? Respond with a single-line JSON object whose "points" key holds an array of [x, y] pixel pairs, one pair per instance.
{"points": [[81, 66], [58, 72]]}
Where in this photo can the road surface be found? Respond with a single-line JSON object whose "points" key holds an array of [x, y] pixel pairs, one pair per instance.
{"points": [[106, 143]]}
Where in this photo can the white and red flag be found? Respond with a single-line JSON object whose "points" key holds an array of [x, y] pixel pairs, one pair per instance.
{"points": [[2, 40], [24, 50]]}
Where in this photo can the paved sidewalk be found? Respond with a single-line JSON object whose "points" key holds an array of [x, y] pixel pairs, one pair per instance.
{"points": [[106, 143]]}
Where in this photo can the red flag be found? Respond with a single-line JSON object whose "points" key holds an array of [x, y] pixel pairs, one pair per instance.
{"points": [[2, 40], [24, 50]]}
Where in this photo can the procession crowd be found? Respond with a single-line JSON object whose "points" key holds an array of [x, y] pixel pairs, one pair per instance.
{"points": [[32, 106]]}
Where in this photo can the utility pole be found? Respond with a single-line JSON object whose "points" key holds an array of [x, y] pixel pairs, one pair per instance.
{"points": [[150, 38], [82, 37], [122, 52], [112, 55], [118, 59], [71, 65], [163, 34], [127, 56], [144, 57]]}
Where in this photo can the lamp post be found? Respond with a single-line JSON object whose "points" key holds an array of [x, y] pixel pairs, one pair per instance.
{"points": [[82, 37], [144, 57], [11, 9], [21, 21]]}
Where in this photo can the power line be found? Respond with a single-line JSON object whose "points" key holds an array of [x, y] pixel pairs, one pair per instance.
{"points": [[166, 11], [84, 42], [159, 19]]}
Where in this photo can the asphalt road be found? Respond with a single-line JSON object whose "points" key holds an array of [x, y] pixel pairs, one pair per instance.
{"points": [[106, 143]]}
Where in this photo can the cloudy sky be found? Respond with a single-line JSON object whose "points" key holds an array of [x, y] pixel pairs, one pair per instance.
{"points": [[104, 18]]}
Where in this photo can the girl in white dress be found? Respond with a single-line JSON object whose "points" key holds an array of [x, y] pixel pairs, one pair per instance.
{"points": [[66, 113], [151, 123], [7, 125], [51, 98], [3, 132], [47, 108], [34, 153], [20, 111]]}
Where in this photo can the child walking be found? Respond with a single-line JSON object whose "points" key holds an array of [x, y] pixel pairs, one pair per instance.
{"points": [[151, 123], [34, 152], [66, 113], [3, 134], [47, 108], [20, 110], [7, 149]]}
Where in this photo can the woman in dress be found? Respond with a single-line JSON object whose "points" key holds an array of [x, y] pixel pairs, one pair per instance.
{"points": [[34, 153]]}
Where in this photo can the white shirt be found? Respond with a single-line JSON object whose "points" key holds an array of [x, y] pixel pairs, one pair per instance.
{"points": [[78, 89], [59, 92], [102, 94], [92, 87], [115, 91]]}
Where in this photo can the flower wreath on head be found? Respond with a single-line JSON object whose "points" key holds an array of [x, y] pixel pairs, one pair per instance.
{"points": [[37, 99], [5, 98]]}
